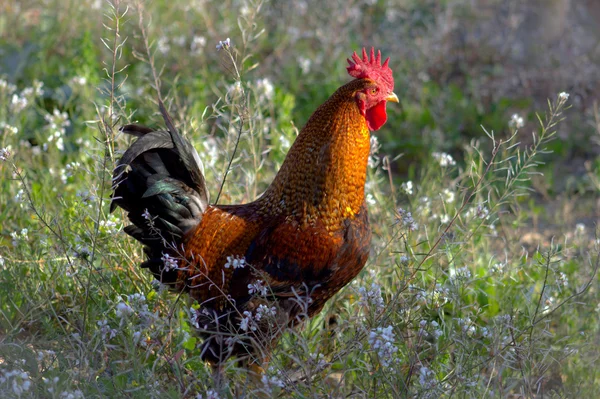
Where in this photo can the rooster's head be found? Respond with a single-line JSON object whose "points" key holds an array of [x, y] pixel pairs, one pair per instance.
{"points": [[378, 88]]}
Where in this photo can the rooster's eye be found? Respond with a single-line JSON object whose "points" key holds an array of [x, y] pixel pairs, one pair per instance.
{"points": [[373, 91]]}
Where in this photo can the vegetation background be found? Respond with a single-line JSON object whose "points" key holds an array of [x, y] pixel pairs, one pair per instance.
{"points": [[483, 192]]}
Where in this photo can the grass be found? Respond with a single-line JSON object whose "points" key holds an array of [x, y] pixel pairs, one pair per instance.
{"points": [[474, 288]]}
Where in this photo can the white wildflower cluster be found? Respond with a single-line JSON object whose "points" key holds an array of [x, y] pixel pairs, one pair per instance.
{"points": [[51, 384], [407, 187], [460, 273], [466, 324], [498, 268], [110, 226], [19, 236], [57, 124], [370, 199], [480, 212], [235, 261], [435, 298], [195, 316], [8, 129], [6, 88], [516, 121], [486, 333], [427, 378], [86, 197], [263, 313], [16, 380], [317, 360], [106, 332], [234, 90], [20, 101], [371, 298], [247, 322], [20, 197], [78, 80], [579, 229], [448, 196], [224, 44], [381, 340], [305, 64], [135, 304], [432, 328], [424, 207], [169, 262], [5, 153], [162, 44], [258, 287], [76, 394], [562, 280], [69, 171], [197, 45], [443, 159], [210, 394], [264, 89], [81, 252], [271, 381], [373, 161], [123, 310], [406, 219]]}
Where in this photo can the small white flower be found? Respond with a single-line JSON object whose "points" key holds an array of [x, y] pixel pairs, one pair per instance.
{"points": [[163, 45], [448, 196], [237, 262], [444, 159], [266, 312], [265, 89], [562, 280], [257, 287], [169, 263], [370, 199], [79, 80], [305, 64], [224, 44], [9, 128], [146, 214], [427, 378], [407, 187], [4, 153], [516, 121], [498, 267], [247, 322], [406, 219], [381, 340], [563, 96], [123, 310], [371, 297], [198, 43]]}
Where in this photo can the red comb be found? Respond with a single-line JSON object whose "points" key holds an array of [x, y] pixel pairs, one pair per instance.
{"points": [[371, 68]]}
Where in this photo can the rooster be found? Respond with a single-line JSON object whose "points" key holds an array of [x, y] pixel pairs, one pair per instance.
{"points": [[258, 268]]}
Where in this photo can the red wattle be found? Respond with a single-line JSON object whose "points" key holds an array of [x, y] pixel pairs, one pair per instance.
{"points": [[376, 116]]}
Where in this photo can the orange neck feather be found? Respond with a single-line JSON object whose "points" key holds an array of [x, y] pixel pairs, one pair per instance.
{"points": [[323, 176]]}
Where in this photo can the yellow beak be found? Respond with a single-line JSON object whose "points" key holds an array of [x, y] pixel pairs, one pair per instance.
{"points": [[393, 98]]}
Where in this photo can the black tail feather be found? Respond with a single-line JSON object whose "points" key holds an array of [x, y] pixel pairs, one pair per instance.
{"points": [[159, 181]]}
